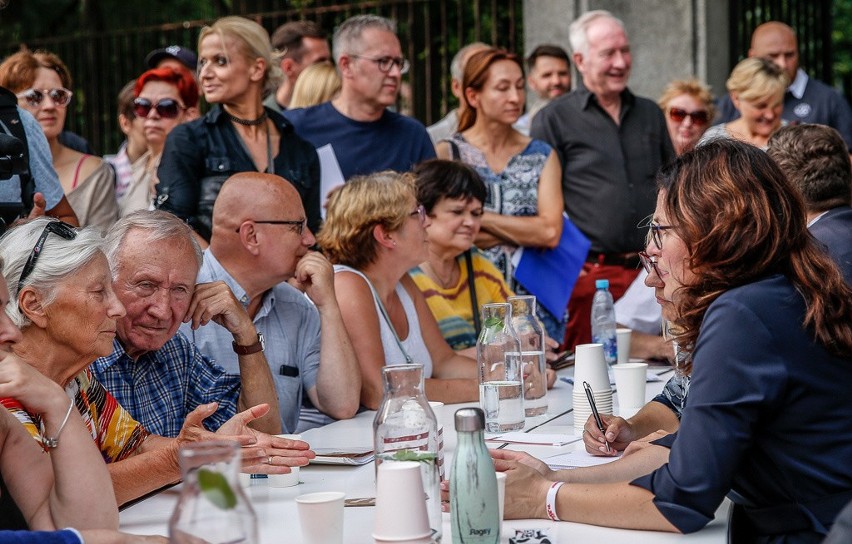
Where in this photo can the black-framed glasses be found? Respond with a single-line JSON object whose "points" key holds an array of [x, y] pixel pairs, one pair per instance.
{"points": [[385, 64], [167, 108], [655, 233], [59, 228], [649, 263], [699, 117], [420, 212], [34, 97], [298, 226]]}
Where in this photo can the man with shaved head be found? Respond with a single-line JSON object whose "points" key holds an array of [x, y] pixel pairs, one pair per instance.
{"points": [[259, 248], [806, 100]]}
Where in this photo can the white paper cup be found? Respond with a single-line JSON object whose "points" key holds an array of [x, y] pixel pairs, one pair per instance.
{"points": [[590, 366], [622, 340], [630, 381], [501, 493], [285, 480], [400, 504], [321, 517]]}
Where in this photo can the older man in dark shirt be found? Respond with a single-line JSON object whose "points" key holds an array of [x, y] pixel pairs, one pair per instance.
{"points": [[610, 143]]}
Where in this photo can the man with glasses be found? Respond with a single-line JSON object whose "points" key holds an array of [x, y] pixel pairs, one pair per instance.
{"points": [[611, 144], [260, 250], [154, 371], [363, 134], [301, 44]]}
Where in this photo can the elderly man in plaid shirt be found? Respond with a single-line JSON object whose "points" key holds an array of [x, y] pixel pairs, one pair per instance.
{"points": [[155, 372]]}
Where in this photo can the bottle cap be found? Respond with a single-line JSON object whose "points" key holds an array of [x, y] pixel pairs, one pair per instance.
{"points": [[601, 284], [470, 419]]}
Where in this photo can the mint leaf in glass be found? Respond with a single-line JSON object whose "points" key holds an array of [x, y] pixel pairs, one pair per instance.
{"points": [[216, 488]]}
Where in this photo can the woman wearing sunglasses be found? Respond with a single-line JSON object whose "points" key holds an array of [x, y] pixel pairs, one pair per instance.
{"points": [[236, 69], [756, 87], [42, 83], [688, 106], [163, 98], [767, 318]]}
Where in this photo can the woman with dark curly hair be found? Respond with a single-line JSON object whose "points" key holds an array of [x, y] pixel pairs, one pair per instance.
{"points": [[767, 317]]}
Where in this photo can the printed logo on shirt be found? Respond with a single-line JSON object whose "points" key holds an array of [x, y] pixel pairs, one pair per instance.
{"points": [[802, 110]]}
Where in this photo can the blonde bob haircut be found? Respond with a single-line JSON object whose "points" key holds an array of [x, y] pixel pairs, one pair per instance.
{"points": [[689, 87], [253, 43], [355, 208], [755, 79], [316, 84]]}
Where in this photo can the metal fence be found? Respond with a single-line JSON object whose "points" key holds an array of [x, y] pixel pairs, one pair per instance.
{"points": [[430, 31]]}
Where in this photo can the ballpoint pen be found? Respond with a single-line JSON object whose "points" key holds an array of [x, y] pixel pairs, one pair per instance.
{"points": [[595, 412]]}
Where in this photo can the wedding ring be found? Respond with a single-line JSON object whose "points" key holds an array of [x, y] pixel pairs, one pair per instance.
{"points": [[270, 459]]}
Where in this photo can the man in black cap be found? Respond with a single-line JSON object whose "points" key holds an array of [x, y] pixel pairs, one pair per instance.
{"points": [[173, 55]]}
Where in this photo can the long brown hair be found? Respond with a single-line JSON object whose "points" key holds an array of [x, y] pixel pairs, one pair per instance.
{"points": [[476, 71], [742, 220]]}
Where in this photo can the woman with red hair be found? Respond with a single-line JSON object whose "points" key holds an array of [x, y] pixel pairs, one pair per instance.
{"points": [[164, 99]]}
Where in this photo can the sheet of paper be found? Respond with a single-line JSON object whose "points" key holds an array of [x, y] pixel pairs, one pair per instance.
{"points": [[576, 459], [535, 438], [650, 377], [330, 174]]}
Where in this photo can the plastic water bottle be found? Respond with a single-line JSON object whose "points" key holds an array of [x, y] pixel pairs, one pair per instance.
{"points": [[603, 321], [474, 510]]}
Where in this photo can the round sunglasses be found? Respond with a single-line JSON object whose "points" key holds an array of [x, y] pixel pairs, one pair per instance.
{"points": [[167, 108], [34, 97]]}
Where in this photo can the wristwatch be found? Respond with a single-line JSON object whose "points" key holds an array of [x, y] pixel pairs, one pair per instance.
{"points": [[251, 348]]}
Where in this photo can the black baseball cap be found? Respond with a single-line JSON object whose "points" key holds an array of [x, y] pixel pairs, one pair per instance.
{"points": [[186, 56]]}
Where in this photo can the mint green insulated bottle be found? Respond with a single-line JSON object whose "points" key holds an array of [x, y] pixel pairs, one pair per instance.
{"points": [[474, 513]]}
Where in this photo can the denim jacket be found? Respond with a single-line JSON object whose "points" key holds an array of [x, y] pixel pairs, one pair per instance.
{"points": [[199, 156]]}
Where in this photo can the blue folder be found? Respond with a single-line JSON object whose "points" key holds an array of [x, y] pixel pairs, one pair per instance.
{"points": [[550, 274]]}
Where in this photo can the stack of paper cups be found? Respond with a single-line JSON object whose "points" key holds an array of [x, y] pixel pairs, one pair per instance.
{"points": [[590, 366]]}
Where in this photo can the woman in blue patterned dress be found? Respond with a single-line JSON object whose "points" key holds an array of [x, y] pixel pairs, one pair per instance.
{"points": [[524, 203]]}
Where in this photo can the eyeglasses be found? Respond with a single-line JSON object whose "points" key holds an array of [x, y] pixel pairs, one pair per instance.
{"points": [[699, 117], [421, 213], [167, 108], [59, 228], [385, 64], [34, 97], [649, 263], [297, 226], [655, 233]]}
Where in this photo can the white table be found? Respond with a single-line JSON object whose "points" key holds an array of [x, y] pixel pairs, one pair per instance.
{"points": [[278, 518]]}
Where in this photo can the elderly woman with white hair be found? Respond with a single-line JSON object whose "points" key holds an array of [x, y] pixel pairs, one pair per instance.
{"points": [[61, 297], [235, 68]]}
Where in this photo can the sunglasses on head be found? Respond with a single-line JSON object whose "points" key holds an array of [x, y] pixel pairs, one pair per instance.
{"points": [[34, 97], [699, 117], [167, 108]]}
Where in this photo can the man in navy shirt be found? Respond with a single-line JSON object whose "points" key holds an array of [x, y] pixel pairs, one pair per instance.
{"points": [[807, 100], [363, 133], [814, 158]]}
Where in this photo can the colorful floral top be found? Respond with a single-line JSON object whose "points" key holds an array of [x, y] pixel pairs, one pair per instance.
{"points": [[116, 434]]}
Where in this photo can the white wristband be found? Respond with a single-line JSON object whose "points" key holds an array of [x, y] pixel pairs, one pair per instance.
{"points": [[550, 501]]}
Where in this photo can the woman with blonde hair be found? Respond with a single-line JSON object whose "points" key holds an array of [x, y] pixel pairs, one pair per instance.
{"points": [[374, 233], [316, 84], [756, 88], [236, 68], [43, 85]]}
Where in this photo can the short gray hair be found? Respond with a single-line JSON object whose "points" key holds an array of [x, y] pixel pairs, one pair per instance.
{"points": [[456, 67], [59, 259], [157, 225], [348, 35], [578, 30]]}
